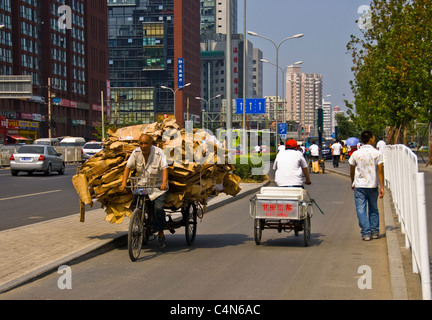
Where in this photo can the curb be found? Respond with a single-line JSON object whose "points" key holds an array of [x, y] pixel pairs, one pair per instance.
{"points": [[396, 269]]}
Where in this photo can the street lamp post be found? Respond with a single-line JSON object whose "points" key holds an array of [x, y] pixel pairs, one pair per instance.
{"points": [[277, 46], [207, 102], [174, 93]]}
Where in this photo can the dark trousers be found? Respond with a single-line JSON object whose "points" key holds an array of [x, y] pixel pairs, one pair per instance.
{"points": [[336, 161], [159, 213]]}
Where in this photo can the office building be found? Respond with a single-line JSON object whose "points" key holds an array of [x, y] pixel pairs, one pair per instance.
{"points": [[303, 98], [154, 44], [327, 118], [63, 47], [213, 63], [213, 16]]}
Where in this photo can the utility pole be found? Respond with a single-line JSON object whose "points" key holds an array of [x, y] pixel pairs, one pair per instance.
{"points": [[103, 121], [49, 109], [229, 77], [245, 56]]}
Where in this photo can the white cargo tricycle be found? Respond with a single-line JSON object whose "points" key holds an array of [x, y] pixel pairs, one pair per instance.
{"points": [[282, 208]]}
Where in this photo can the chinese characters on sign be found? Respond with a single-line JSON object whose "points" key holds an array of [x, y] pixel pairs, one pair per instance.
{"points": [[279, 209], [235, 71], [180, 72]]}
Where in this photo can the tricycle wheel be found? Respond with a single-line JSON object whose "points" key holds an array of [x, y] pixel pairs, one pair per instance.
{"points": [[306, 230], [191, 223], [258, 228], [135, 234]]}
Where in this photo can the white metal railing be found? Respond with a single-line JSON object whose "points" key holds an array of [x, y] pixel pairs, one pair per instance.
{"points": [[407, 187], [69, 154]]}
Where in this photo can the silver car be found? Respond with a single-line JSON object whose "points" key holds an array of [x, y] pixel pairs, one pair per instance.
{"points": [[90, 149], [32, 157]]}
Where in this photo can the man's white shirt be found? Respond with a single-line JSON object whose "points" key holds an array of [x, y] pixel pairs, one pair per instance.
{"points": [[288, 166]]}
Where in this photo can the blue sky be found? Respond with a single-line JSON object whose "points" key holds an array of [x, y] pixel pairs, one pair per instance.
{"points": [[327, 26]]}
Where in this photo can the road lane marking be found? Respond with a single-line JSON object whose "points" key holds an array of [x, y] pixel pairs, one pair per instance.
{"points": [[29, 195]]}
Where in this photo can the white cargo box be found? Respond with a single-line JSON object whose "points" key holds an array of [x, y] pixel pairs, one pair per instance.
{"points": [[282, 193], [279, 203]]}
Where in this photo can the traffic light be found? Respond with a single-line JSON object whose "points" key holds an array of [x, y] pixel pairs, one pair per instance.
{"points": [[320, 121], [302, 130]]}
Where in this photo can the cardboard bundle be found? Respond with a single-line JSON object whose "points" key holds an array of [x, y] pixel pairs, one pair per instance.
{"points": [[198, 169]]}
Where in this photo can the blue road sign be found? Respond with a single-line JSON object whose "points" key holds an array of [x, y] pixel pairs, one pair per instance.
{"points": [[180, 72], [253, 106], [282, 128]]}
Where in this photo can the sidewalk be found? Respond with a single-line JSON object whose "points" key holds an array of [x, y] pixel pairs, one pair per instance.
{"points": [[31, 251], [399, 268]]}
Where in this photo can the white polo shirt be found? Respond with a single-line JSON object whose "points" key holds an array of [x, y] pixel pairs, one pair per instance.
{"points": [[337, 147], [288, 166], [152, 169], [366, 160], [314, 150]]}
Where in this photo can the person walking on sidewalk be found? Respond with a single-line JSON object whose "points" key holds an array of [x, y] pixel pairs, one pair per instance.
{"points": [[150, 162], [366, 171], [336, 149]]}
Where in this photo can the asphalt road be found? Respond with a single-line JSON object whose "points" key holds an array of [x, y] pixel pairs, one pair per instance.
{"points": [[26, 199], [224, 262]]}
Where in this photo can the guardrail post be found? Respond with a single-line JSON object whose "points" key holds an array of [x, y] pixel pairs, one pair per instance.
{"points": [[423, 238]]}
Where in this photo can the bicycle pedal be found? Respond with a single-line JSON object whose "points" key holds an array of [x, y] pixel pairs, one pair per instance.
{"points": [[172, 231]]}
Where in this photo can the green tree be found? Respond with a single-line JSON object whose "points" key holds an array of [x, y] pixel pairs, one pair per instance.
{"points": [[392, 66]]}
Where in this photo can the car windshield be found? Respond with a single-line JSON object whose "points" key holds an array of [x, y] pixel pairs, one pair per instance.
{"points": [[93, 146], [47, 143], [31, 149]]}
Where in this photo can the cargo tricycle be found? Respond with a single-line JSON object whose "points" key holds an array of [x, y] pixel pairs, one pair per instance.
{"points": [[140, 225], [283, 209]]}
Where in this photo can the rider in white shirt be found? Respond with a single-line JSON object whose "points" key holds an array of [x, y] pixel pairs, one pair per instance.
{"points": [[314, 150], [290, 166]]}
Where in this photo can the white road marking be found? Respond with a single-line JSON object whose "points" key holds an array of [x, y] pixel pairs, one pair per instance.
{"points": [[29, 195]]}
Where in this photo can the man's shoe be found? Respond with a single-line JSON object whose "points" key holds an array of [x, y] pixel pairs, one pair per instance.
{"points": [[366, 237], [375, 235]]}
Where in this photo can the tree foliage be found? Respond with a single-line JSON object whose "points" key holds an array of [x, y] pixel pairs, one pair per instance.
{"points": [[392, 65]]}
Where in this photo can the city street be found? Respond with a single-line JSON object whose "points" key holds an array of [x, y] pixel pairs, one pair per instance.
{"points": [[26, 199], [225, 263]]}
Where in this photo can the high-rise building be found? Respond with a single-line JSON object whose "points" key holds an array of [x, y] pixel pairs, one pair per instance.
{"points": [[154, 55], [213, 16], [213, 63], [303, 98], [61, 45], [327, 123]]}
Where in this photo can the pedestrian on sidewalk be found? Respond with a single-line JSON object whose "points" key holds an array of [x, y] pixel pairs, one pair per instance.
{"points": [[336, 153], [366, 171], [343, 153], [381, 144]]}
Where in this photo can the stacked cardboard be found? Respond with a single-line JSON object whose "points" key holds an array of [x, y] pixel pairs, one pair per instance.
{"points": [[198, 169]]}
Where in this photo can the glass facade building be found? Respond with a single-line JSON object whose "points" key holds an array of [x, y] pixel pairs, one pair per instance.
{"points": [[143, 51]]}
